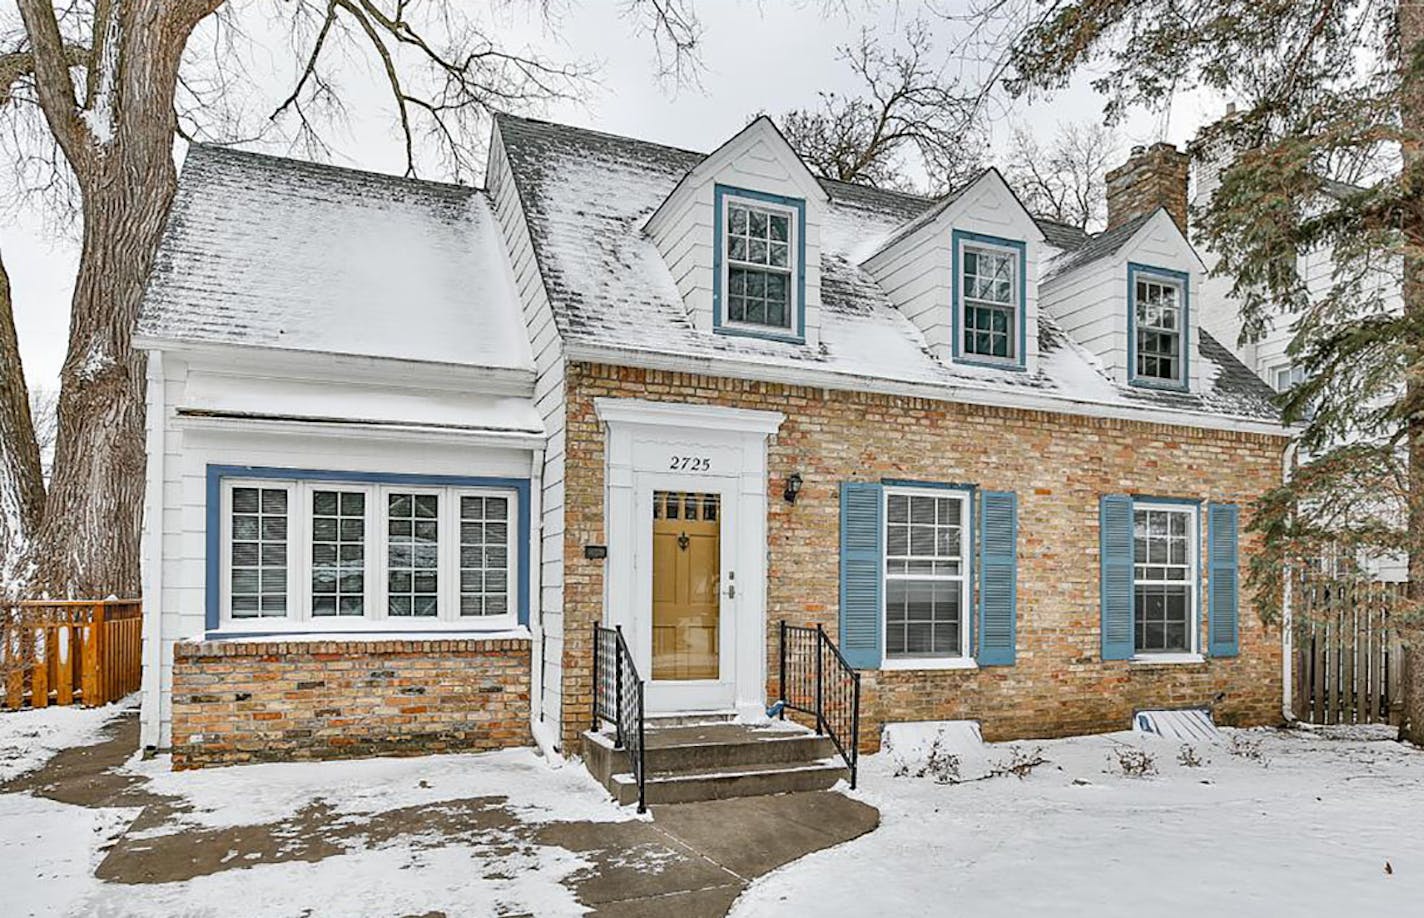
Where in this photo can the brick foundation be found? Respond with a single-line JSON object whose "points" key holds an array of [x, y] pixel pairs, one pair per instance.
{"points": [[263, 701], [1059, 465]]}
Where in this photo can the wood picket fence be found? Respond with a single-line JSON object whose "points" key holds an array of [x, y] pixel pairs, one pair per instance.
{"points": [[71, 652], [1348, 654]]}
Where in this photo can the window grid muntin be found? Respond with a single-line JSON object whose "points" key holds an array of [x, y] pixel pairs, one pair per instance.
{"points": [[413, 554], [338, 546], [1164, 579], [928, 565], [484, 561], [758, 246], [299, 604], [1157, 305], [260, 531], [989, 302]]}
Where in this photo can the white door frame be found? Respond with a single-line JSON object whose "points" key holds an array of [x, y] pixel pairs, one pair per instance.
{"points": [[671, 446]]}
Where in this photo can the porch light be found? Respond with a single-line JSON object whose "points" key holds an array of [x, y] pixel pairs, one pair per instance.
{"points": [[793, 487]]}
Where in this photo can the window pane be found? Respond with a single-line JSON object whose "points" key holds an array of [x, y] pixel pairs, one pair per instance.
{"points": [[413, 554], [257, 552], [338, 574], [484, 555]]}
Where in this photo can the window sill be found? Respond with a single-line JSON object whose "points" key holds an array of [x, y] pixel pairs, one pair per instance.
{"points": [[769, 334], [932, 663], [301, 634], [1166, 659], [990, 363], [1158, 385]]}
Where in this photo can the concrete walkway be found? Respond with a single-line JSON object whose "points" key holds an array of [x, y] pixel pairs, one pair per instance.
{"points": [[691, 860]]}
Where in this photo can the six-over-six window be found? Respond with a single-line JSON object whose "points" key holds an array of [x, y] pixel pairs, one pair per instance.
{"points": [[761, 265], [989, 298], [308, 551], [1164, 548], [1157, 302], [926, 573]]}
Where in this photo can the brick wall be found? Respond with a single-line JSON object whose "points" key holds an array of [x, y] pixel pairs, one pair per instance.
{"points": [[264, 701], [1059, 466]]}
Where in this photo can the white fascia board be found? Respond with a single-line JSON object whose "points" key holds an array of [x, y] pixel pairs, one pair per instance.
{"points": [[677, 414], [328, 366], [346, 429], [969, 395]]}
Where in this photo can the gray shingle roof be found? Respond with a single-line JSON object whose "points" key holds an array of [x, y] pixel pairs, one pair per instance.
{"points": [[1099, 245], [281, 253], [587, 195]]}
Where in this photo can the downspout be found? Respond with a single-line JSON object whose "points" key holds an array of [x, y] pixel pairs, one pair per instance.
{"points": [[1287, 614]]}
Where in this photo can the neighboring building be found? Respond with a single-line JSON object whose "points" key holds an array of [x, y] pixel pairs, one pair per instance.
{"points": [[999, 460]]}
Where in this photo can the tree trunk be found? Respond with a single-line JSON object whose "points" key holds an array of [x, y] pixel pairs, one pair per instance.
{"points": [[87, 545], [22, 494], [1411, 105]]}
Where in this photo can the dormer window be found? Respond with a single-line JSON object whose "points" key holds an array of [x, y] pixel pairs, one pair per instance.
{"points": [[1159, 324], [759, 250], [989, 294]]}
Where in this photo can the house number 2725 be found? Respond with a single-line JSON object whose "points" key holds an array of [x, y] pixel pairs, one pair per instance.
{"points": [[690, 464]]}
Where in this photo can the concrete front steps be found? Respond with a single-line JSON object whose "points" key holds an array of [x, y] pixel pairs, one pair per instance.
{"points": [[709, 757]]}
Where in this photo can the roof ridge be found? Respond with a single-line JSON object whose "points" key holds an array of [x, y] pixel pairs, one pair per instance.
{"points": [[207, 148], [564, 125]]}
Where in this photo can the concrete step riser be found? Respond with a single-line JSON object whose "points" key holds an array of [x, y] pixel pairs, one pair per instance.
{"points": [[803, 749], [723, 787]]}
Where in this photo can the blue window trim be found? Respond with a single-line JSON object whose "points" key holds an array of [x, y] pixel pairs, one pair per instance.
{"points": [[971, 612], [1192, 503], [213, 536], [1167, 274], [957, 239], [796, 335]]}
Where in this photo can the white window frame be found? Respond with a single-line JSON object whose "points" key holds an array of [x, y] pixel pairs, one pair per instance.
{"points": [[1192, 512], [1017, 311], [793, 328], [1292, 371], [299, 615], [965, 576], [1162, 280]]}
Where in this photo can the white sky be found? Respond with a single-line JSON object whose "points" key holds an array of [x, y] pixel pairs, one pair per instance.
{"points": [[769, 56]]}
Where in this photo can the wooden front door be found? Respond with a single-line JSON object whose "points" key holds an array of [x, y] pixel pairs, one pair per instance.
{"points": [[687, 562]]}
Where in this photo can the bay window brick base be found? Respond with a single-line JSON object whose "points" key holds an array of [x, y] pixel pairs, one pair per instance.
{"points": [[239, 701]]}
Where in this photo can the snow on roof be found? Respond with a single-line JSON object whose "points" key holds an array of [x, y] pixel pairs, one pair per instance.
{"points": [[587, 195], [287, 254]]}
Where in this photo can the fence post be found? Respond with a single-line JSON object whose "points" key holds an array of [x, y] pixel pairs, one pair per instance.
{"points": [[855, 733], [596, 686], [781, 679], [820, 636], [90, 666], [618, 690]]}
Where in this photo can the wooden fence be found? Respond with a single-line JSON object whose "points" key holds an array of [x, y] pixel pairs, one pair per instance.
{"points": [[88, 653], [1348, 655]]}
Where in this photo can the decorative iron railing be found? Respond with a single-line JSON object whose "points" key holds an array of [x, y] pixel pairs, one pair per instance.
{"points": [[618, 699], [817, 680]]}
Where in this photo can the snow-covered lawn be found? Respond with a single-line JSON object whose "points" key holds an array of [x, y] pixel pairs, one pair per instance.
{"points": [[1270, 823]]}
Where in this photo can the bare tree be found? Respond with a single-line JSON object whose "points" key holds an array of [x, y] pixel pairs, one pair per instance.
{"points": [[44, 415], [1063, 179], [906, 106], [93, 96]]}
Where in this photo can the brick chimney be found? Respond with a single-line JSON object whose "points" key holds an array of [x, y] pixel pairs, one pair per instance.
{"points": [[1152, 177]]}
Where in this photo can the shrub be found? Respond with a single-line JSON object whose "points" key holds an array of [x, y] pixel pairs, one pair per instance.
{"points": [[1134, 763]]}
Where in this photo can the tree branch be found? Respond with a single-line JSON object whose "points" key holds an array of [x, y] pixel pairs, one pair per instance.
{"points": [[52, 83]]}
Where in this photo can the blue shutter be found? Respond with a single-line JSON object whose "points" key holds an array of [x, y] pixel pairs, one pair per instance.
{"points": [[862, 563], [998, 577], [1223, 580], [1115, 535]]}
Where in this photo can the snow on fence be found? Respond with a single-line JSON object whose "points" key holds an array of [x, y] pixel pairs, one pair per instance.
{"points": [[1348, 654], [73, 652]]}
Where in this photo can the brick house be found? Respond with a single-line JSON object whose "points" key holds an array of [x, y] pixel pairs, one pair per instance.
{"points": [[997, 459]]}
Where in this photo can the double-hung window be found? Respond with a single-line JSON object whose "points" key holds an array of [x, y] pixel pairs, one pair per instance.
{"points": [[759, 257], [1164, 578], [926, 573], [338, 554], [990, 300], [1159, 319]]}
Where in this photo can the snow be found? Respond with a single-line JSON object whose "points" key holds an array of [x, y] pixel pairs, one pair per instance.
{"points": [[1305, 828], [29, 737], [99, 116]]}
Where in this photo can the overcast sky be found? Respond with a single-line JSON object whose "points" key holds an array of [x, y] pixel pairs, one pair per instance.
{"points": [[769, 56]]}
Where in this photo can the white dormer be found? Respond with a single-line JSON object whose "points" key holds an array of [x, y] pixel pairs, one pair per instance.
{"points": [[966, 273], [741, 234], [1128, 297]]}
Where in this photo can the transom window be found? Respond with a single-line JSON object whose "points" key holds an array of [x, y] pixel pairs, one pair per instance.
{"points": [[1158, 305], [1164, 579], [926, 573], [339, 553], [761, 265], [989, 298]]}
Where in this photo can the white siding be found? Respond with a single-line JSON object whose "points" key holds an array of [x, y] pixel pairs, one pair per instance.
{"points": [[549, 399]]}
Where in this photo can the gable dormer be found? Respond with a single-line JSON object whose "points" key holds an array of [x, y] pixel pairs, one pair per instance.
{"points": [[1127, 296], [966, 274], [741, 234]]}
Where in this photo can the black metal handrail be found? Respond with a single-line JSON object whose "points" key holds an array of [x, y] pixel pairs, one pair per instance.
{"points": [[817, 680], [618, 699]]}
